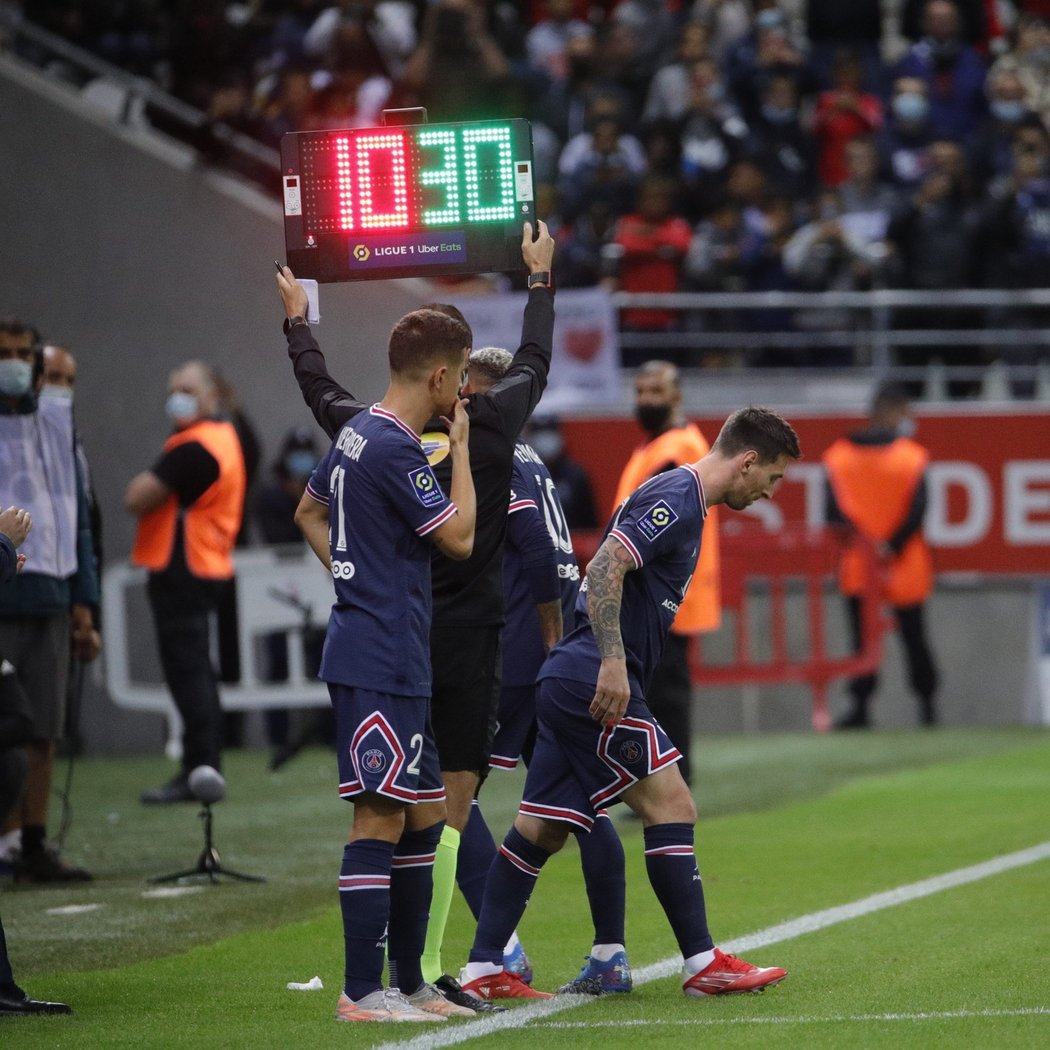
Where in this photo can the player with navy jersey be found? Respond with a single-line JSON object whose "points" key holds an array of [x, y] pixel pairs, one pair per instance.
{"points": [[370, 512], [541, 580], [598, 742]]}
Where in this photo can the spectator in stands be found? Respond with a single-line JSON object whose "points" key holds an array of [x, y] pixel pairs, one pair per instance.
{"points": [[868, 201], [905, 140], [654, 29], [843, 113], [670, 90], [386, 31], [990, 148], [605, 162], [729, 20], [1015, 242], [876, 486], [570, 478], [779, 143], [1029, 58], [856, 27], [932, 240], [767, 51], [712, 137], [582, 244], [566, 106], [287, 103], [458, 70], [951, 68], [650, 244], [721, 251], [546, 44]]}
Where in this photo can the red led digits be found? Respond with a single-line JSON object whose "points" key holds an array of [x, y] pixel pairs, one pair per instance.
{"points": [[344, 189], [382, 181]]}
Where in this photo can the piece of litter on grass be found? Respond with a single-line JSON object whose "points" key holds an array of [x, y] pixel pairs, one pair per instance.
{"points": [[163, 892], [73, 909], [313, 985]]}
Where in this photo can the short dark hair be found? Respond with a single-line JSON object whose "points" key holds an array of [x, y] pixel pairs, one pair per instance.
{"points": [[11, 325], [890, 395], [761, 429], [449, 310], [424, 338]]}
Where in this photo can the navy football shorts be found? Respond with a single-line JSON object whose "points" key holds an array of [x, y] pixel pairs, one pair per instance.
{"points": [[580, 766], [515, 726], [385, 745]]}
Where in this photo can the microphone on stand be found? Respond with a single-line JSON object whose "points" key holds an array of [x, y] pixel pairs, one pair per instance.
{"points": [[208, 786]]}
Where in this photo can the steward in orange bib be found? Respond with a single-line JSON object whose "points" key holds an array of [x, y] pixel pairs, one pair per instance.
{"points": [[190, 504], [876, 485], [671, 443]]}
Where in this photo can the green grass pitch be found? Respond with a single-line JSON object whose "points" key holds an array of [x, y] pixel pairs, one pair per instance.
{"points": [[790, 825]]}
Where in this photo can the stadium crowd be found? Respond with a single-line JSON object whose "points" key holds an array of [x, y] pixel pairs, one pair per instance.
{"points": [[719, 145]]}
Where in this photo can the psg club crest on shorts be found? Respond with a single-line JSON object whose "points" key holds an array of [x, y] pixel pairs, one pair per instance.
{"points": [[630, 752], [373, 760]]}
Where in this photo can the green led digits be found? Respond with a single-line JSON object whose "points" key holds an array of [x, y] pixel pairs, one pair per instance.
{"points": [[477, 144], [446, 177]]}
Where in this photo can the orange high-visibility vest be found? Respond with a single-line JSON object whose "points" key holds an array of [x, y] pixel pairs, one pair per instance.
{"points": [[873, 486], [701, 608], [209, 524]]}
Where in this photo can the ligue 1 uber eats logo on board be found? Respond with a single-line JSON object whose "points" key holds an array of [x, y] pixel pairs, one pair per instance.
{"points": [[361, 253]]}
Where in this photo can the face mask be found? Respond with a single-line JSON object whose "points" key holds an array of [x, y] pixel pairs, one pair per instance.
{"points": [[181, 406], [770, 18], [548, 445], [1008, 112], [60, 393], [16, 377], [653, 418], [910, 107], [300, 464], [776, 115]]}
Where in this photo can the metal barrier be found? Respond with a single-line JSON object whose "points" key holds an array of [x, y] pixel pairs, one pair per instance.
{"points": [[763, 574]]}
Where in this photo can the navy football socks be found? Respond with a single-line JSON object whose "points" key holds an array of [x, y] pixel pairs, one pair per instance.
{"points": [[601, 854], [411, 889], [477, 849], [364, 899], [675, 878]]}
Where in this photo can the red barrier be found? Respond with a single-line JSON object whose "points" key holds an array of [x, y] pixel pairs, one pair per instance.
{"points": [[769, 569], [762, 568]]}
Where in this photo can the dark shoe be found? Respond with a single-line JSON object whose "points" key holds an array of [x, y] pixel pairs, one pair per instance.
{"points": [[175, 790], [855, 719], [927, 712], [450, 988], [17, 1003], [45, 865]]}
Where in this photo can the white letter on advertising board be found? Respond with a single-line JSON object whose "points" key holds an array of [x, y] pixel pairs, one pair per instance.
{"points": [[977, 516], [1026, 495]]}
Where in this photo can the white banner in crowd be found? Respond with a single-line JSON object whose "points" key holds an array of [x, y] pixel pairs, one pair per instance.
{"points": [[585, 368]]}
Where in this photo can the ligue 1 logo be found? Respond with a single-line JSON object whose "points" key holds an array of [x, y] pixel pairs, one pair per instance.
{"points": [[361, 253], [424, 482], [374, 760], [630, 751]]}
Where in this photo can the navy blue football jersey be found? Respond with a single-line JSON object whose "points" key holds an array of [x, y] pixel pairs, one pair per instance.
{"points": [[383, 502], [535, 511], [661, 525]]}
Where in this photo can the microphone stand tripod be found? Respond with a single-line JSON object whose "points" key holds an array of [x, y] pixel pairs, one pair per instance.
{"points": [[208, 863]]}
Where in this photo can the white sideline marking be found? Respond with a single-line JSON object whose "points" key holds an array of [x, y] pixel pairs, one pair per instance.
{"points": [[785, 931], [943, 1015]]}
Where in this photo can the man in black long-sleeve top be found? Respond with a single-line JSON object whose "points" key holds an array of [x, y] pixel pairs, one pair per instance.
{"points": [[468, 611]]}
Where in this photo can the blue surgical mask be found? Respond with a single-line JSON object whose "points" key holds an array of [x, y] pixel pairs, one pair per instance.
{"points": [[181, 406], [1008, 112], [910, 107], [300, 464], [16, 377], [770, 18], [59, 393], [778, 115]]}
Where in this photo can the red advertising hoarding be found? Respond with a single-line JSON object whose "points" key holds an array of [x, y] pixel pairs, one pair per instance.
{"points": [[988, 482]]}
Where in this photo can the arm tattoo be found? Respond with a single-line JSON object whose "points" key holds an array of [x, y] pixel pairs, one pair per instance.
{"points": [[605, 576]]}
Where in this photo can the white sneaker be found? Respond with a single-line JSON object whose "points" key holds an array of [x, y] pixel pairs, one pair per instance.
{"points": [[384, 1004], [428, 998]]}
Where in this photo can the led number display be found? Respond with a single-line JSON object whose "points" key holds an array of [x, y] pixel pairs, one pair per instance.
{"points": [[403, 201]]}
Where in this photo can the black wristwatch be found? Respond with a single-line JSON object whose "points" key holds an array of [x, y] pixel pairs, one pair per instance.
{"points": [[291, 322], [541, 279]]}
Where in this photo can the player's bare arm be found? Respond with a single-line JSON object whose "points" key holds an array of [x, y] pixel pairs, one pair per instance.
{"points": [[551, 624], [605, 576], [312, 518], [455, 538]]}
